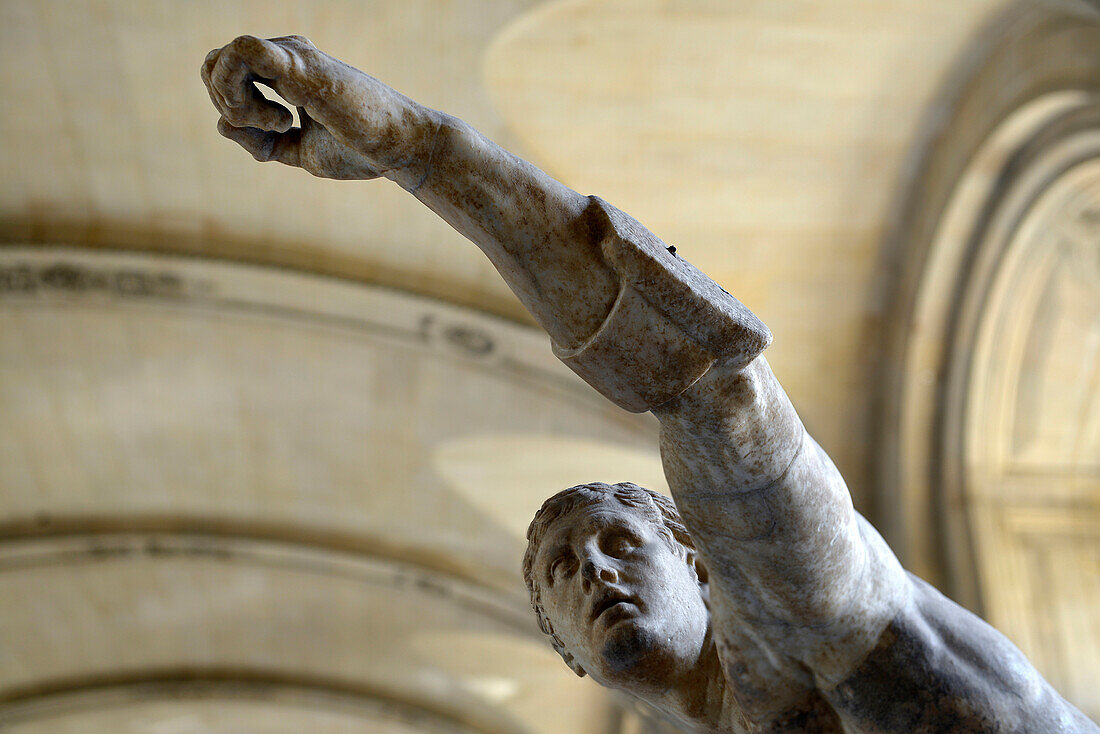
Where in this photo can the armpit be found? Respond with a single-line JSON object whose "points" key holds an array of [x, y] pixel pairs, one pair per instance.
{"points": [[938, 668]]}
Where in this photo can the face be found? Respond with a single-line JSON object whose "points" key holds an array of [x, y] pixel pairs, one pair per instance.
{"points": [[629, 609]]}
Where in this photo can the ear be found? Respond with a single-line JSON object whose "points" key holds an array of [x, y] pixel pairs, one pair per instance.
{"points": [[696, 563]]}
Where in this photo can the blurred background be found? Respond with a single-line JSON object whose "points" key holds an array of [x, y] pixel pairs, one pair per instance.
{"points": [[269, 444]]}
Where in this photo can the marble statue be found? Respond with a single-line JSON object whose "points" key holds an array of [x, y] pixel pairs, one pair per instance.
{"points": [[760, 600]]}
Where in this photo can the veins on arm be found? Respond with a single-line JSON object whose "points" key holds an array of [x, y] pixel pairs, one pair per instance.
{"points": [[428, 161]]}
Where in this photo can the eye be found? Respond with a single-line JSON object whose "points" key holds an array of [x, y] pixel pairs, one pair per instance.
{"points": [[619, 543], [558, 568]]}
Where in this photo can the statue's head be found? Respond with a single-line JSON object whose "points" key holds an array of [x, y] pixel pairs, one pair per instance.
{"points": [[616, 582]]}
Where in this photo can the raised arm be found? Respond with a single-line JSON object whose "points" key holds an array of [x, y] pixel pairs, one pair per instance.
{"points": [[538, 233], [572, 260]]}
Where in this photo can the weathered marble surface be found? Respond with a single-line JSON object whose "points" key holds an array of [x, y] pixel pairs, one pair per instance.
{"points": [[772, 605]]}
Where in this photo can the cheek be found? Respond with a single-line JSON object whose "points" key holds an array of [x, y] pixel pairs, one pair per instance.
{"points": [[663, 570], [673, 582], [560, 609]]}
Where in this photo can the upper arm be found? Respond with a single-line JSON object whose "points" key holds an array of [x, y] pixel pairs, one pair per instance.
{"points": [[763, 502], [774, 522]]}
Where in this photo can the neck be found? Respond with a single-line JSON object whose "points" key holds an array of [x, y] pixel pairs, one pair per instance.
{"points": [[697, 697]]}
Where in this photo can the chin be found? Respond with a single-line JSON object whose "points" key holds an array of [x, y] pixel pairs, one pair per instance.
{"points": [[632, 652]]}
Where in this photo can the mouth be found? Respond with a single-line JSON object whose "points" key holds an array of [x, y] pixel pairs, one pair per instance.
{"points": [[607, 601]]}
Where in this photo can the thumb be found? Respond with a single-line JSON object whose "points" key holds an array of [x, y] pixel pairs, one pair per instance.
{"points": [[265, 145]]}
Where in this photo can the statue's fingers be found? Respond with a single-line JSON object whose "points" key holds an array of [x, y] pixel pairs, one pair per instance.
{"points": [[207, 68], [243, 61], [259, 111], [264, 145]]}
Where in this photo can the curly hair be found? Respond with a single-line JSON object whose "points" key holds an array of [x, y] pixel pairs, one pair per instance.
{"points": [[655, 508]]}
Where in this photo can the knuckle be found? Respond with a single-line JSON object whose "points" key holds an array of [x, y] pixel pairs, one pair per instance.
{"points": [[241, 46], [253, 47]]}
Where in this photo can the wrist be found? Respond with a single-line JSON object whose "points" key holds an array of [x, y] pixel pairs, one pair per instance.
{"points": [[387, 128]]}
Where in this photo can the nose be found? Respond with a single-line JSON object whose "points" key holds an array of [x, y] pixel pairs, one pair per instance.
{"points": [[597, 568]]}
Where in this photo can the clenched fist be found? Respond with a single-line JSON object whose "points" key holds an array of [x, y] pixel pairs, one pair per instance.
{"points": [[352, 125]]}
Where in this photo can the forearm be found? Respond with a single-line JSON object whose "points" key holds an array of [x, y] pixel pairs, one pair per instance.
{"points": [[572, 259], [533, 228], [632, 318], [538, 233]]}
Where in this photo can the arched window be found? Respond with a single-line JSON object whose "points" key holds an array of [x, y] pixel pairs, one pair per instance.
{"points": [[990, 456]]}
